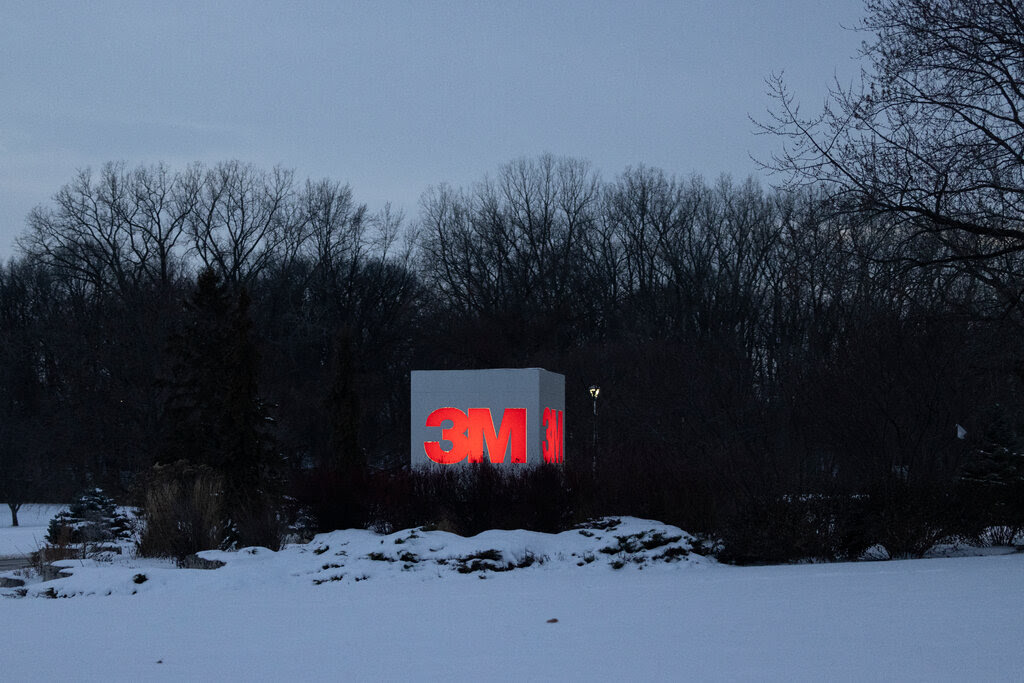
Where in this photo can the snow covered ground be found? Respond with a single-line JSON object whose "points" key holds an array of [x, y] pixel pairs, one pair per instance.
{"points": [[413, 605], [30, 532]]}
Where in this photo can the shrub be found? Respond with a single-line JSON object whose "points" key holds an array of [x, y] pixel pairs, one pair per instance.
{"points": [[1002, 534], [471, 499], [332, 498], [57, 547], [792, 528], [255, 521], [909, 518], [91, 518], [183, 511], [651, 483]]}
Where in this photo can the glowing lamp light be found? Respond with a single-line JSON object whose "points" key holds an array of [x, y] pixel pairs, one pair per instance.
{"points": [[595, 391]]}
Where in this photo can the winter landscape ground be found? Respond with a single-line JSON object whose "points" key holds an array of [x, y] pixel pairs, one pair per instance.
{"points": [[426, 605]]}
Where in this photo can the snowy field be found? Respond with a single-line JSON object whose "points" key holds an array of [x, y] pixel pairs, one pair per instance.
{"points": [[353, 605], [30, 532]]}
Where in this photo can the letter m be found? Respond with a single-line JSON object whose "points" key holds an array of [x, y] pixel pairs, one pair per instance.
{"points": [[511, 435]]}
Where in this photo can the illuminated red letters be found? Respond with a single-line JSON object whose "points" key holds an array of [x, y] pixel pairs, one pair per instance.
{"points": [[469, 433], [511, 435], [554, 424], [456, 434]]}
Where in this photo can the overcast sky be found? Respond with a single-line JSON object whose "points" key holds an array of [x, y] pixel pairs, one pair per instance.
{"points": [[393, 97]]}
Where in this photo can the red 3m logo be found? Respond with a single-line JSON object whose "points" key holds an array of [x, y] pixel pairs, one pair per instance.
{"points": [[473, 431], [469, 432]]}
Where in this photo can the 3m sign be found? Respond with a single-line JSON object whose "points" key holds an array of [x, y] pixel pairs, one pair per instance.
{"points": [[508, 417]]}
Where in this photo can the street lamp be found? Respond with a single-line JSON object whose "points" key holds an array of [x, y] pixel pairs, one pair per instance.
{"points": [[595, 391]]}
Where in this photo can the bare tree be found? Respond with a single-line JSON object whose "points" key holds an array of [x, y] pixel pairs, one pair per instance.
{"points": [[931, 137], [336, 226], [513, 238], [241, 218], [161, 203], [114, 231]]}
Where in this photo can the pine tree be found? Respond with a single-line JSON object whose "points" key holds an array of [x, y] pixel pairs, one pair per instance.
{"points": [[214, 415], [343, 407], [995, 472], [92, 518], [344, 467]]}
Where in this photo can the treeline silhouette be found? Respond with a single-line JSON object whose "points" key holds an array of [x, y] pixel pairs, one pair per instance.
{"points": [[776, 369]]}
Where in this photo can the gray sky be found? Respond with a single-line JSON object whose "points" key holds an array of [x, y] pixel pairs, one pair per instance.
{"points": [[393, 97]]}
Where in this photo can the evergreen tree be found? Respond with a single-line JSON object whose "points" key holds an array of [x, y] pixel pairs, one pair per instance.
{"points": [[343, 407], [343, 505], [93, 517], [995, 472], [335, 492], [214, 415]]}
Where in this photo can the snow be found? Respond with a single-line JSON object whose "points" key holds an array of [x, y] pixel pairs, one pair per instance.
{"points": [[416, 555], [278, 616], [30, 532]]}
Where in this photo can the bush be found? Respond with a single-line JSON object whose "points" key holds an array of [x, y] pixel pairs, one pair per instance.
{"points": [[334, 498], [183, 511], [997, 497], [1001, 535], [464, 500], [57, 547], [255, 521], [91, 518], [909, 518], [651, 483], [793, 528]]}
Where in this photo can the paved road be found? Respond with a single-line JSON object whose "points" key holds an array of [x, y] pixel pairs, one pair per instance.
{"points": [[9, 563]]}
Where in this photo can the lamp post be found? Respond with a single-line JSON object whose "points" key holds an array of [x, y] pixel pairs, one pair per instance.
{"points": [[595, 391]]}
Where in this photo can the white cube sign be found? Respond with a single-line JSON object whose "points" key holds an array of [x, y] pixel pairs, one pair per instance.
{"points": [[511, 418]]}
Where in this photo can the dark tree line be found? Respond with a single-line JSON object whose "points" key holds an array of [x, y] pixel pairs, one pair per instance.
{"points": [[748, 343]]}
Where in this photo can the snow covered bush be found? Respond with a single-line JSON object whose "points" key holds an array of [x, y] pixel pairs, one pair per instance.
{"points": [[92, 518]]}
